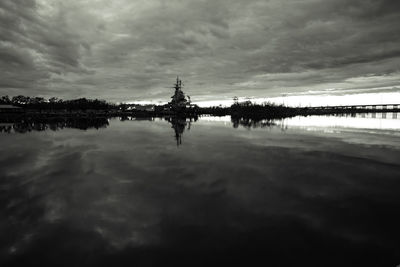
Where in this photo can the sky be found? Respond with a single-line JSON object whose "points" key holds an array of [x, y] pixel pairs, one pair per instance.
{"points": [[303, 52]]}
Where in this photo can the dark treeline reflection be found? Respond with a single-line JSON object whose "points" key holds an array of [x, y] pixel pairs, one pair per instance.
{"points": [[53, 124], [251, 123]]}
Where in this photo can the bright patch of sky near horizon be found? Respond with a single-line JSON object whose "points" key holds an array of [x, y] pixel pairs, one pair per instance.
{"points": [[317, 100], [309, 52]]}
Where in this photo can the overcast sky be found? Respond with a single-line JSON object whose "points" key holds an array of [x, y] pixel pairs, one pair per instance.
{"points": [[124, 50]]}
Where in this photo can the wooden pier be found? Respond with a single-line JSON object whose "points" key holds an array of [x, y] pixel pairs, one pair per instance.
{"points": [[364, 108]]}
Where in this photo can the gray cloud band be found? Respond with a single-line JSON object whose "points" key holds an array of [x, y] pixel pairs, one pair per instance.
{"points": [[131, 49]]}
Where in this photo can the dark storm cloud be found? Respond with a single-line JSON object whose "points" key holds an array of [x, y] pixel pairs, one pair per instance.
{"points": [[124, 50], [34, 47]]}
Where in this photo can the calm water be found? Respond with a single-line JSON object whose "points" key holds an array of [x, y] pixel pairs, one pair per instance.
{"points": [[316, 191]]}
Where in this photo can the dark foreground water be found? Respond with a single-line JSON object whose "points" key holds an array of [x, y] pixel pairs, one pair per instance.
{"points": [[317, 191]]}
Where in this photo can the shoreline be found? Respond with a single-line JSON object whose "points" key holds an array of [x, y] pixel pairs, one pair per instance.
{"points": [[275, 113]]}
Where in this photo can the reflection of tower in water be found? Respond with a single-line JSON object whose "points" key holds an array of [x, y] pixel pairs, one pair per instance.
{"points": [[179, 124]]}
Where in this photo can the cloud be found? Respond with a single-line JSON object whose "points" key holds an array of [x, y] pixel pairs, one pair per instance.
{"points": [[128, 50], [35, 47]]}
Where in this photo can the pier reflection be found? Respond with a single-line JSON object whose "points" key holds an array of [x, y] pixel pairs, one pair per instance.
{"points": [[381, 121]]}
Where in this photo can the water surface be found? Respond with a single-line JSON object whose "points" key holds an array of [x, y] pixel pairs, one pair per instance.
{"points": [[306, 191]]}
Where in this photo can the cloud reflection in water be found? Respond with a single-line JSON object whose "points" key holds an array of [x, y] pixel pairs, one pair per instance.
{"points": [[127, 195]]}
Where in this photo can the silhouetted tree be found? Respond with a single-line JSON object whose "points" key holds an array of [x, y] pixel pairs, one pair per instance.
{"points": [[5, 100]]}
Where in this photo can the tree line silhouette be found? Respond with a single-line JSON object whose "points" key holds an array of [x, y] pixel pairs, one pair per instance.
{"points": [[54, 103], [96, 107]]}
